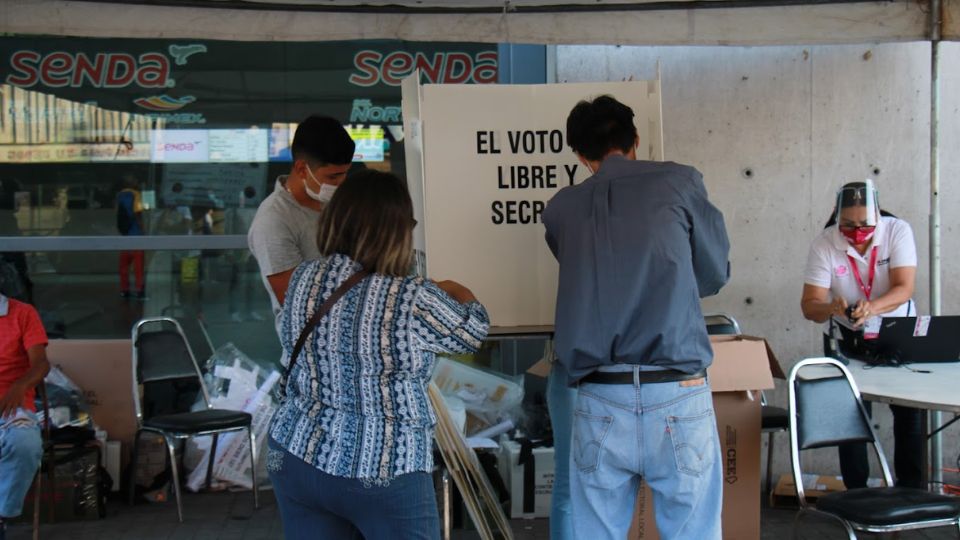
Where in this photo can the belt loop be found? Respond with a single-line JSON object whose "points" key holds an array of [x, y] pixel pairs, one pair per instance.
{"points": [[636, 375]]}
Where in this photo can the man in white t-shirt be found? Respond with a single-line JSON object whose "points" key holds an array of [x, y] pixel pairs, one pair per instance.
{"points": [[284, 230], [860, 269]]}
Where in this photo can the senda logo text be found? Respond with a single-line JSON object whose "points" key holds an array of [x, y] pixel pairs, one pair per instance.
{"points": [[374, 67], [176, 147], [105, 70]]}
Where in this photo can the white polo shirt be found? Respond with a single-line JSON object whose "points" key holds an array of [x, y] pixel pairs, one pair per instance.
{"points": [[828, 265]]}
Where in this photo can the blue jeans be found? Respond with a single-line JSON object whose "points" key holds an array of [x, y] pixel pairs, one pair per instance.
{"points": [[314, 504], [20, 451], [664, 433], [560, 400]]}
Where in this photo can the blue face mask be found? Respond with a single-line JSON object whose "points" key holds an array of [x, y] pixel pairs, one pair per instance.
{"points": [[4, 306]]}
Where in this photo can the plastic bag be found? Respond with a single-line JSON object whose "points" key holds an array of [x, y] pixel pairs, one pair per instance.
{"points": [[234, 382], [488, 398], [68, 407]]}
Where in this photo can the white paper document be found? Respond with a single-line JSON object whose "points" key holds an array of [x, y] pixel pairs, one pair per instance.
{"points": [[922, 327]]}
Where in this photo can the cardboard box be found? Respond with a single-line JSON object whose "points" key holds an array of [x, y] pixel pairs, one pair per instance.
{"points": [[742, 366], [814, 487], [514, 475], [102, 368]]}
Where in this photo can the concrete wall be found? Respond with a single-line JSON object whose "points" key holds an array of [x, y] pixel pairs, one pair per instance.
{"points": [[775, 131]]}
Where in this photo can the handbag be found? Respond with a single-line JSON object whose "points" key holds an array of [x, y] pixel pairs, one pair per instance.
{"points": [[315, 320]]}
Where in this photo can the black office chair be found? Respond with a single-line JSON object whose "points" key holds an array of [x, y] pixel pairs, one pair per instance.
{"points": [[166, 383], [827, 411], [773, 419]]}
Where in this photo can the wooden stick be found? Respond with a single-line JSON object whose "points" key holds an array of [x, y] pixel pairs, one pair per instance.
{"points": [[478, 495], [454, 457]]}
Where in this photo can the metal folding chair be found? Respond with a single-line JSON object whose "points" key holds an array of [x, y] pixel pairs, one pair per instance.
{"points": [[827, 411], [164, 356], [721, 324], [193, 329]]}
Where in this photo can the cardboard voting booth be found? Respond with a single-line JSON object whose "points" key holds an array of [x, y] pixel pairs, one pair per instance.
{"points": [[482, 162], [742, 366]]}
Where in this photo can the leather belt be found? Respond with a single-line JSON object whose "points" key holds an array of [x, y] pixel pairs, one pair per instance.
{"points": [[645, 377]]}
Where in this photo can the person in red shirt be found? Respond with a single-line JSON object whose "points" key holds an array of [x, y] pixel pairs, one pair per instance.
{"points": [[23, 365]]}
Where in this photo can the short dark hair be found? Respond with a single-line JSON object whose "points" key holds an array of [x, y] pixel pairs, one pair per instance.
{"points": [[321, 139], [370, 219], [594, 128]]}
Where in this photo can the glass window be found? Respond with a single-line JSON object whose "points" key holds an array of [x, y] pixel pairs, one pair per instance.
{"points": [[190, 124], [77, 294], [194, 134]]}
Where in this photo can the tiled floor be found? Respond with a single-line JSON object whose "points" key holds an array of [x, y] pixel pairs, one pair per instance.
{"points": [[230, 516]]}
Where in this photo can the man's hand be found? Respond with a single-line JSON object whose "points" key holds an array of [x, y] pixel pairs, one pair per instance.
{"points": [[12, 400], [39, 367]]}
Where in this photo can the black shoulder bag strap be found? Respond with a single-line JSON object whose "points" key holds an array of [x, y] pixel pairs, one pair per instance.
{"points": [[315, 319]]}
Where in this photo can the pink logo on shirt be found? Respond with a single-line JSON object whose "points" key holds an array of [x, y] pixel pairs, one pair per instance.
{"points": [[841, 270]]}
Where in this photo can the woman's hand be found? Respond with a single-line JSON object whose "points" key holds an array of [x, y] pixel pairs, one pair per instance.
{"points": [[838, 308], [861, 312], [817, 306], [457, 291]]}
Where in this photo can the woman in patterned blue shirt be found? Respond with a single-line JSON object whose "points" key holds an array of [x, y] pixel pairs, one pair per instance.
{"points": [[350, 451]]}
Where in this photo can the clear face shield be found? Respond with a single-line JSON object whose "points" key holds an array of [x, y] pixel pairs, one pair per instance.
{"points": [[858, 211]]}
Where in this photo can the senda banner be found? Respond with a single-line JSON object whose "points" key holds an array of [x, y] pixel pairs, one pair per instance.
{"points": [[235, 84]]}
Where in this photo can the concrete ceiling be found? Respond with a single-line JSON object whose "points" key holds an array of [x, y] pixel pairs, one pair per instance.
{"points": [[615, 22]]}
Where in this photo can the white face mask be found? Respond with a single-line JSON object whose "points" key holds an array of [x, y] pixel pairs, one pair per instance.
{"points": [[326, 190]]}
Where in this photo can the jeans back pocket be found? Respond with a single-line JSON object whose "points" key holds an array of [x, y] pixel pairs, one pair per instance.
{"points": [[693, 440], [589, 434]]}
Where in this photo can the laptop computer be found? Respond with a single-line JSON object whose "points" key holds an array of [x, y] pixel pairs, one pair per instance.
{"points": [[905, 340]]}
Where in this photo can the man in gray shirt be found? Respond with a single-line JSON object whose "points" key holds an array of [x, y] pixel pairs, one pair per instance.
{"points": [[638, 244], [284, 230]]}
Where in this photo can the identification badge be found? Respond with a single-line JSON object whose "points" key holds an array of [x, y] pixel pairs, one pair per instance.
{"points": [[922, 326], [871, 328]]}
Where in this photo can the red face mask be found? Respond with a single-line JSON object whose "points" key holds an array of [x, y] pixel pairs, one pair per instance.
{"points": [[858, 235]]}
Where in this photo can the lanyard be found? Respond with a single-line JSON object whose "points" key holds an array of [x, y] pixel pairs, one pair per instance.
{"points": [[868, 288]]}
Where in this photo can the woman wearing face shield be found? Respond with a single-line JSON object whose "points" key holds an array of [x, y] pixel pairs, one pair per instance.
{"points": [[860, 269]]}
